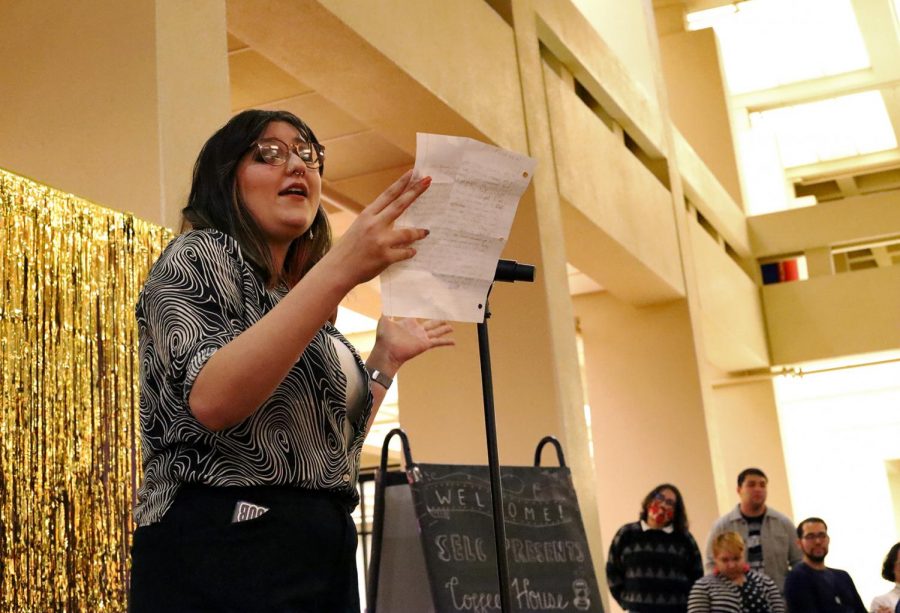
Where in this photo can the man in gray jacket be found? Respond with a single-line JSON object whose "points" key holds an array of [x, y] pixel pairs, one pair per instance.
{"points": [[768, 535]]}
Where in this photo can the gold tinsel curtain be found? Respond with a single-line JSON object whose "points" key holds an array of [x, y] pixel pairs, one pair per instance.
{"points": [[70, 273]]}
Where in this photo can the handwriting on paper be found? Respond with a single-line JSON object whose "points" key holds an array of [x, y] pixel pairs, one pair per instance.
{"points": [[469, 210]]}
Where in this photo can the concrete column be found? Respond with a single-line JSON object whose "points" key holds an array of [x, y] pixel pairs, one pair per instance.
{"points": [[111, 100], [536, 376], [695, 87], [744, 431], [819, 262], [670, 16], [647, 415], [742, 424]]}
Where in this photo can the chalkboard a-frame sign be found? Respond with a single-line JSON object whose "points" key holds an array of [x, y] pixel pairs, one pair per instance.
{"points": [[437, 553]]}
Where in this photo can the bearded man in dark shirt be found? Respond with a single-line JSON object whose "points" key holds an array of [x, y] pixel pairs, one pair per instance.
{"points": [[812, 587]]}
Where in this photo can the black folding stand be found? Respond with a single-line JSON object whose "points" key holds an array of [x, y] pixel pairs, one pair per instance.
{"points": [[382, 480], [508, 271], [385, 479]]}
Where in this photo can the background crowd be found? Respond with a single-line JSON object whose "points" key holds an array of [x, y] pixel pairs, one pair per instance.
{"points": [[757, 561]]}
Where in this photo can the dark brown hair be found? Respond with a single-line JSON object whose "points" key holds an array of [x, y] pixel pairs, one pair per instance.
{"points": [[809, 520], [756, 472], [215, 201], [680, 519], [887, 569]]}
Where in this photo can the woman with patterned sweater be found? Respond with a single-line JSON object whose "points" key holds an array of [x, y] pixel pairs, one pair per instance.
{"points": [[253, 406], [653, 562], [733, 587]]}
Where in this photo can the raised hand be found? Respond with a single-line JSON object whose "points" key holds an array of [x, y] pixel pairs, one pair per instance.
{"points": [[400, 339], [372, 243]]}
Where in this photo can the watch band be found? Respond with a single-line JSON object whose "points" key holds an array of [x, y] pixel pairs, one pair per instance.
{"points": [[380, 378]]}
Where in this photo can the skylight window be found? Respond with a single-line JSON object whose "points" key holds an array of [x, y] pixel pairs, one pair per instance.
{"points": [[763, 45], [829, 129]]}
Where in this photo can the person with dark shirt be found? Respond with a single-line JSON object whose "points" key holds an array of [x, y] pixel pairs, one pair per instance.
{"points": [[812, 587], [653, 562], [767, 534]]}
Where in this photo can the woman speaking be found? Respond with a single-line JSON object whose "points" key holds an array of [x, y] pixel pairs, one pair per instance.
{"points": [[253, 406]]}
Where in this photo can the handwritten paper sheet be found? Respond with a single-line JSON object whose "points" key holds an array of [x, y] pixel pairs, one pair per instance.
{"points": [[469, 210]]}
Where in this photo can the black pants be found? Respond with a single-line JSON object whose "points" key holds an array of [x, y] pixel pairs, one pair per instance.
{"points": [[299, 556]]}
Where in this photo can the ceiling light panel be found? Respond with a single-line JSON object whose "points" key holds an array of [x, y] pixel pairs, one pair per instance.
{"points": [[829, 129], [768, 43]]}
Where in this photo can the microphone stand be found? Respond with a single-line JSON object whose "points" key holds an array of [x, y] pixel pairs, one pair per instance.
{"points": [[507, 271]]}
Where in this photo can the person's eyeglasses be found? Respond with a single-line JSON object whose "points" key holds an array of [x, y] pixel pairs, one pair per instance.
{"points": [[668, 502], [815, 536], [274, 151]]}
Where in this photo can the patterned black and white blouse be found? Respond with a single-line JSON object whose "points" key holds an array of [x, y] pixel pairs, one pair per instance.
{"points": [[200, 295]]}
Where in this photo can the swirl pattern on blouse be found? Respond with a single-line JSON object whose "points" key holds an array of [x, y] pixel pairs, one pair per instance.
{"points": [[199, 295]]}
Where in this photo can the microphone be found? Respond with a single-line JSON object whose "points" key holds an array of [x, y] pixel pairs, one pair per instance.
{"points": [[511, 271]]}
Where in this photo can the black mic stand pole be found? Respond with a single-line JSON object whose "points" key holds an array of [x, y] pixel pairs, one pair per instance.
{"points": [[510, 271]]}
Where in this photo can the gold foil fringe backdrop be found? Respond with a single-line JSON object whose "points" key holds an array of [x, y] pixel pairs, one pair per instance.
{"points": [[71, 272]]}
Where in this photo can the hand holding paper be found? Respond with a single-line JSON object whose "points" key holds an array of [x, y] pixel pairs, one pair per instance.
{"points": [[469, 210]]}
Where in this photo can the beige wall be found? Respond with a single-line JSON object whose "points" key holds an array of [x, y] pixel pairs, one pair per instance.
{"points": [[830, 315], [838, 315], [623, 25], [731, 310], [192, 90], [697, 102], [647, 415], [652, 423], [826, 224], [112, 100], [568, 34], [617, 215], [744, 431], [453, 49], [706, 193], [75, 107]]}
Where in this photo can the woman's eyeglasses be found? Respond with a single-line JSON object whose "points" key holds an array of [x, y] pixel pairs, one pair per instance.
{"points": [[274, 151], [666, 502]]}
